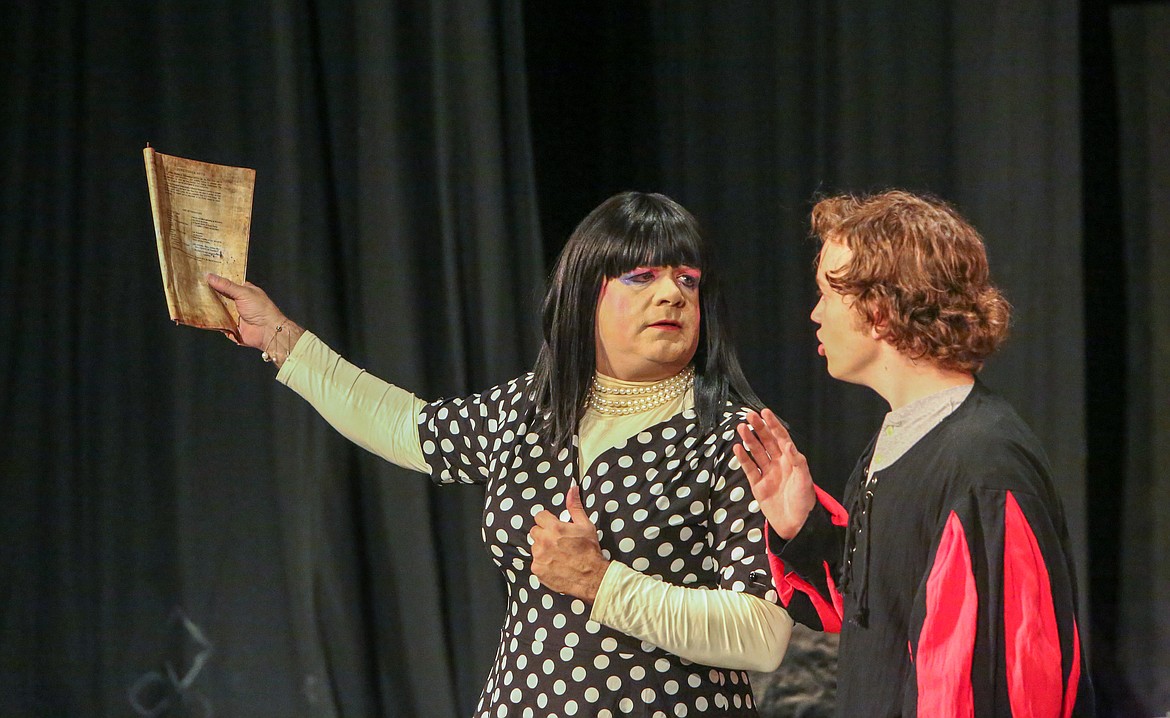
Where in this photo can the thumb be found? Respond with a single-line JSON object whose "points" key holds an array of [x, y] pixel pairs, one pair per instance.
{"points": [[573, 504], [225, 286]]}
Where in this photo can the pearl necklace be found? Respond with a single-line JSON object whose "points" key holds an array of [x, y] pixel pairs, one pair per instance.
{"points": [[615, 401]]}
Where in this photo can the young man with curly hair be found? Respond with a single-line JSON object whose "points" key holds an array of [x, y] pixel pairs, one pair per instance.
{"points": [[947, 569]]}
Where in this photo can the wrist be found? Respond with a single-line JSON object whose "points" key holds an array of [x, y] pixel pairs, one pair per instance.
{"points": [[593, 584], [280, 345]]}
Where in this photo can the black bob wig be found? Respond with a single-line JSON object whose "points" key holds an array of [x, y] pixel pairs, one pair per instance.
{"points": [[626, 231]]}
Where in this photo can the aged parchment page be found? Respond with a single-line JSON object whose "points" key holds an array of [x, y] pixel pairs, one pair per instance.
{"points": [[202, 220]]}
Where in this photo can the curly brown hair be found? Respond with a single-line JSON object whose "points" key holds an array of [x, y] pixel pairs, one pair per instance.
{"points": [[919, 271]]}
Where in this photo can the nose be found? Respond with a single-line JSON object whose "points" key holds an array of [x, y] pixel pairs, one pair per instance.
{"points": [[667, 290], [816, 311]]}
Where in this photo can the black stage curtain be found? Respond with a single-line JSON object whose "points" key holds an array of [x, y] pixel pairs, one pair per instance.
{"points": [[160, 490], [180, 534], [1136, 634]]}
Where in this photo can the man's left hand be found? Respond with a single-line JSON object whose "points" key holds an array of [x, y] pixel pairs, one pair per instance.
{"points": [[566, 556]]}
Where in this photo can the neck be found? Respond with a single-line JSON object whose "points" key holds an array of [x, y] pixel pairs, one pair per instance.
{"points": [[616, 397], [901, 380]]}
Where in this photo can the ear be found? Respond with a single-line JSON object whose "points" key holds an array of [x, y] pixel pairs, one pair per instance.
{"points": [[878, 326]]}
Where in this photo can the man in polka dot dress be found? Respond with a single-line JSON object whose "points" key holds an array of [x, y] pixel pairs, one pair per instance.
{"points": [[614, 505]]}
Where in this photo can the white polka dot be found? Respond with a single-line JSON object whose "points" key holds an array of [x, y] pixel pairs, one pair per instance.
{"points": [[680, 710], [671, 687], [616, 525], [665, 549], [637, 673], [578, 674], [571, 708], [548, 666], [626, 705], [613, 683], [601, 661], [649, 457], [609, 643], [592, 694], [641, 563], [577, 607], [559, 687], [626, 544], [648, 695], [566, 654]]}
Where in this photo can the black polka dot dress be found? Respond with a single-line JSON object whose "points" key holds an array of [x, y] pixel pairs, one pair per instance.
{"points": [[670, 502]]}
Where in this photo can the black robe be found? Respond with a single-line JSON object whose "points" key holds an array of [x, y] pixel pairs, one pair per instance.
{"points": [[949, 577]]}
